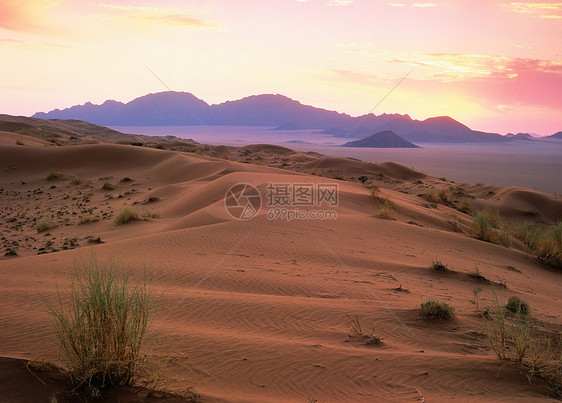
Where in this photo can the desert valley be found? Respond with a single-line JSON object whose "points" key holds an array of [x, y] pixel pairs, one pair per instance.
{"points": [[270, 309]]}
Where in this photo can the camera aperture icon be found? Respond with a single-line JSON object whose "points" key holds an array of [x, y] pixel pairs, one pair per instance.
{"points": [[243, 201]]}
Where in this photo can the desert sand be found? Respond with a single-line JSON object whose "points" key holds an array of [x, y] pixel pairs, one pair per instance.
{"points": [[256, 310]]}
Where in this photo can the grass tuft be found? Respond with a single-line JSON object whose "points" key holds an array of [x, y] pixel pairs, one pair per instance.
{"points": [[435, 309], [101, 324], [53, 175], [436, 265], [487, 226], [126, 214], [45, 225]]}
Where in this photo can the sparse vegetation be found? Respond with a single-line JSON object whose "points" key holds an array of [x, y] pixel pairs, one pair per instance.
{"points": [[387, 208], [476, 275], [487, 226], [435, 309], [546, 245], [464, 206], [88, 218], [75, 180], [126, 214], [363, 179], [108, 186], [437, 266], [517, 305], [455, 221], [53, 175], [431, 196], [374, 189], [371, 338], [45, 225], [101, 325]]}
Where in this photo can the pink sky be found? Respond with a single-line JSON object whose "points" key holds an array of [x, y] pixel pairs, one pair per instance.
{"points": [[493, 65]]}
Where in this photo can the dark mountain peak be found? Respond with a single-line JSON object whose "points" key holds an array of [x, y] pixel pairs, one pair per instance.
{"points": [[384, 139], [557, 135]]}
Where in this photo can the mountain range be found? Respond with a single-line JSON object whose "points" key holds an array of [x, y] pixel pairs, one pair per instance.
{"points": [[278, 111]]}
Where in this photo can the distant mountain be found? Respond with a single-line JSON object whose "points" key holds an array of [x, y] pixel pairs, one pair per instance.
{"points": [[554, 136], [520, 136], [386, 139], [277, 111]]}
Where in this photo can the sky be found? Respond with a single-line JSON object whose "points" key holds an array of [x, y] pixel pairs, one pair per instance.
{"points": [[494, 65]]}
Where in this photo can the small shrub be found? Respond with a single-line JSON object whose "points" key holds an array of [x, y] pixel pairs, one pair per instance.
{"points": [[496, 327], [363, 179], [436, 265], [549, 247], [107, 186], [517, 305], [53, 175], [476, 275], [431, 196], [371, 338], [89, 218], [374, 189], [464, 206], [45, 225], [125, 215], [75, 180], [487, 226], [444, 197], [387, 208], [100, 330], [456, 223], [434, 309], [20, 143]]}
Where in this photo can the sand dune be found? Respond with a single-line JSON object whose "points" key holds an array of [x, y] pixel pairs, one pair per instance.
{"points": [[255, 311]]}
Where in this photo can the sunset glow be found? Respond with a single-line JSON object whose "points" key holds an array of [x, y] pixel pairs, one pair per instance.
{"points": [[493, 65]]}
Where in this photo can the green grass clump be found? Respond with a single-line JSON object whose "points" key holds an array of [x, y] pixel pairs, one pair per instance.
{"points": [[45, 225], [101, 324], [125, 215], [435, 309], [53, 175], [487, 226]]}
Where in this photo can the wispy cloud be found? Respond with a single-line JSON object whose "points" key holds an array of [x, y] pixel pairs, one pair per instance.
{"points": [[339, 2], [423, 5], [24, 16], [153, 15], [542, 10]]}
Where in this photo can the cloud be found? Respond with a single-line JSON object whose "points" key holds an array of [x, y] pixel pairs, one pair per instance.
{"points": [[153, 15], [339, 2], [24, 16], [423, 5], [542, 10]]}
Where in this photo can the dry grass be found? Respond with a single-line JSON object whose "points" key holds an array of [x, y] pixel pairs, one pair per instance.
{"points": [[88, 219], [387, 208], [53, 175], [455, 221], [371, 337], [435, 309], [126, 214], [545, 244], [45, 225], [101, 324], [487, 226], [464, 206], [108, 186], [437, 266]]}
